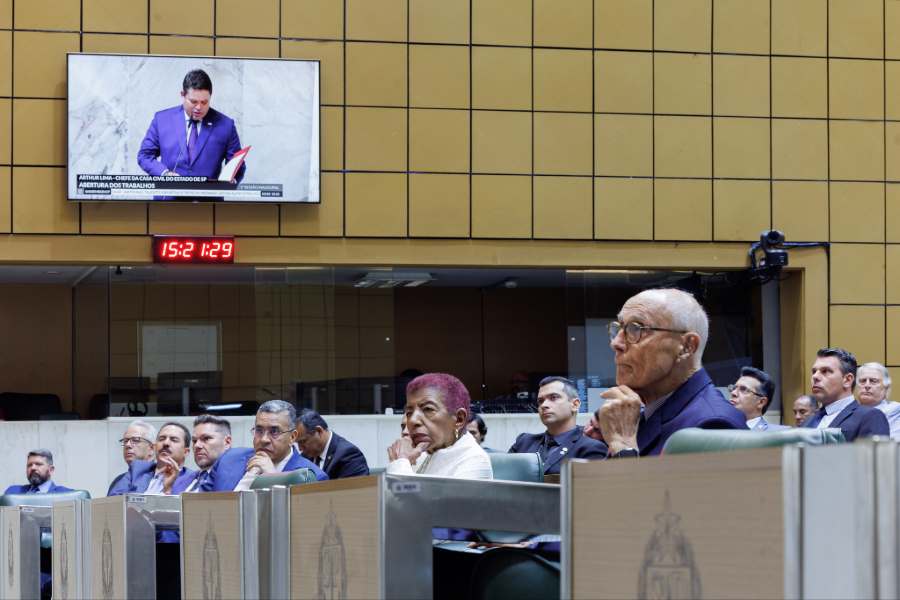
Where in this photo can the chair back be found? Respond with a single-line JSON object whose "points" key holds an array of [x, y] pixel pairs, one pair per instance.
{"points": [[517, 467], [288, 478], [694, 439], [504, 573]]}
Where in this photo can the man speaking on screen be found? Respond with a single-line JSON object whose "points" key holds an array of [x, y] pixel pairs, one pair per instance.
{"points": [[192, 139]]}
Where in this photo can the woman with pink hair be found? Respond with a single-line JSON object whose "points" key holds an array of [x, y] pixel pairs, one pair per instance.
{"points": [[436, 413]]}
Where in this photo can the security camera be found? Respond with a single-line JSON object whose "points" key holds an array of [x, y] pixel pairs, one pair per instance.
{"points": [[774, 256], [771, 239]]}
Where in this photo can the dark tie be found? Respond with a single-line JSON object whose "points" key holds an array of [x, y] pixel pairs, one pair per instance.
{"points": [[817, 418], [203, 476], [192, 140], [318, 461]]}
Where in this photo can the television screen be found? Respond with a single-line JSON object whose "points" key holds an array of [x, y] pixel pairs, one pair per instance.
{"points": [[176, 128]]}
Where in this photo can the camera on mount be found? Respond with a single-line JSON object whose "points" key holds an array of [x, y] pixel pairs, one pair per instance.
{"points": [[774, 255]]}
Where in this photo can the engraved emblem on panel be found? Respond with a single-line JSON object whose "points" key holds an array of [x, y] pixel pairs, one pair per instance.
{"points": [[63, 566], [212, 574], [332, 561], [106, 563], [668, 571], [10, 557]]}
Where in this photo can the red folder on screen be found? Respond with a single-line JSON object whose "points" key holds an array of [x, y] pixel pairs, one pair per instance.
{"points": [[230, 170]]}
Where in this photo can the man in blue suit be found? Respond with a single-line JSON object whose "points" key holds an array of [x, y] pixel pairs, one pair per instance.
{"points": [[137, 444], [167, 475], [272, 452], [191, 139], [833, 379], [329, 451], [751, 394], [661, 385], [38, 470]]}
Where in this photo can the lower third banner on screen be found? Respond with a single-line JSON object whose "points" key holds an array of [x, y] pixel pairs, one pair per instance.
{"points": [[139, 187]]}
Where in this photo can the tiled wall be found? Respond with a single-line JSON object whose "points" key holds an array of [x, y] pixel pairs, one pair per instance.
{"points": [[705, 120]]}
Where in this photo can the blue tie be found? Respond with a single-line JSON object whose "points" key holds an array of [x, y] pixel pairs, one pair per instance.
{"points": [[820, 414], [192, 140]]}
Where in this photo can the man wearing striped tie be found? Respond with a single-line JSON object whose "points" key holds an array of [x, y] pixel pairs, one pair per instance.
{"points": [[212, 437]]}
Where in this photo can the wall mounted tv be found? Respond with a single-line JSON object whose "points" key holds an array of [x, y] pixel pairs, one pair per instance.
{"points": [[175, 128]]}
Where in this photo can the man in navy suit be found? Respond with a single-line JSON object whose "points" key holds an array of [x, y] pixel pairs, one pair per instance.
{"points": [[167, 475], [273, 451], [833, 379], [563, 438], [137, 444], [38, 470], [751, 394], [661, 385], [212, 437], [327, 450]]}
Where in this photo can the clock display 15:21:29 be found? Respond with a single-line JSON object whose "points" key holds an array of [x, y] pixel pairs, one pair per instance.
{"points": [[171, 249]]}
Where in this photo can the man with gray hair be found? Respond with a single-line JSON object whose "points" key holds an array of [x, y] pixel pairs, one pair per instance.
{"points": [[38, 470], [137, 444], [661, 385], [273, 451], [873, 388]]}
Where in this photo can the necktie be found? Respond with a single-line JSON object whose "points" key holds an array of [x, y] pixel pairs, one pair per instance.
{"points": [[192, 140], [318, 461], [820, 414]]}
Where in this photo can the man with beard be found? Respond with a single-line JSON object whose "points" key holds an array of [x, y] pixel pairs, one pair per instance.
{"points": [[38, 470], [168, 475], [212, 437], [137, 444]]}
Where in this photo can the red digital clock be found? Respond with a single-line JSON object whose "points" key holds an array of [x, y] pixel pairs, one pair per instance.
{"points": [[193, 249]]}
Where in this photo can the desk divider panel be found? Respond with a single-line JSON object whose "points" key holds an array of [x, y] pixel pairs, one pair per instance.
{"points": [[68, 573], [9, 552], [108, 549]]}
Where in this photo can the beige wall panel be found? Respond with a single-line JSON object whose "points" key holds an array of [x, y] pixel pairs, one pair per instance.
{"points": [[502, 22], [563, 24], [439, 76], [376, 139], [246, 47], [857, 150], [623, 24], [741, 208], [682, 146], [860, 329], [40, 62], [501, 78], [5, 63], [892, 212], [246, 219], [799, 87], [501, 206], [5, 14], [233, 18], [857, 212], [439, 140], [47, 14], [741, 85], [741, 147], [857, 274], [5, 191], [893, 336], [683, 25], [163, 44], [376, 74], [856, 89], [39, 132], [683, 209], [562, 144], [326, 218], [127, 302], [562, 80], [741, 26], [168, 16], [332, 142], [192, 302], [39, 201], [381, 20], [439, 205], [115, 43], [892, 89], [5, 131], [856, 28], [799, 149], [682, 83], [892, 150], [331, 65], [623, 82], [563, 207], [121, 218], [623, 209], [174, 218], [322, 19], [501, 142], [800, 27], [623, 145], [114, 15], [892, 267], [800, 209], [439, 21], [376, 205], [892, 29]]}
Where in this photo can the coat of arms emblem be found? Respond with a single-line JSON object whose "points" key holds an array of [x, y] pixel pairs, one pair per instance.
{"points": [[332, 562], [668, 571]]}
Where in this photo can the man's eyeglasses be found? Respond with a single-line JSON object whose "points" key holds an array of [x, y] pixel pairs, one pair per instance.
{"points": [[272, 432], [133, 441], [744, 390], [634, 331]]}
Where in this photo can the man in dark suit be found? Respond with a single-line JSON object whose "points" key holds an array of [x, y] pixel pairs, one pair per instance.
{"points": [[833, 379], [167, 475], [137, 444], [751, 394], [661, 385], [558, 404], [212, 437], [273, 451], [38, 470], [327, 450]]}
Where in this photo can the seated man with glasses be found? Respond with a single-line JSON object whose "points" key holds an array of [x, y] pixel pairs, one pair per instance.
{"points": [[167, 475], [272, 452], [661, 385], [137, 444], [752, 394]]}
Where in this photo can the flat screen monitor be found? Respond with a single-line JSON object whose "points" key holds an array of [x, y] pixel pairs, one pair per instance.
{"points": [[176, 128], [184, 392]]}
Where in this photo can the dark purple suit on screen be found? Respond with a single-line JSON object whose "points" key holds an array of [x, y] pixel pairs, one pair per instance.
{"points": [[165, 145]]}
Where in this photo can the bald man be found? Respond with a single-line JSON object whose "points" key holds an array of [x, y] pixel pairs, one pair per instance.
{"points": [[658, 339]]}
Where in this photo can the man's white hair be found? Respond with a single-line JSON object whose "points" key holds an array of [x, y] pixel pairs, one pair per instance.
{"points": [[685, 313], [149, 430], [885, 376]]}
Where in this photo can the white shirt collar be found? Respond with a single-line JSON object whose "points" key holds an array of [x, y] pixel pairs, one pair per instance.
{"points": [[753, 422], [283, 462], [325, 449], [838, 405]]}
